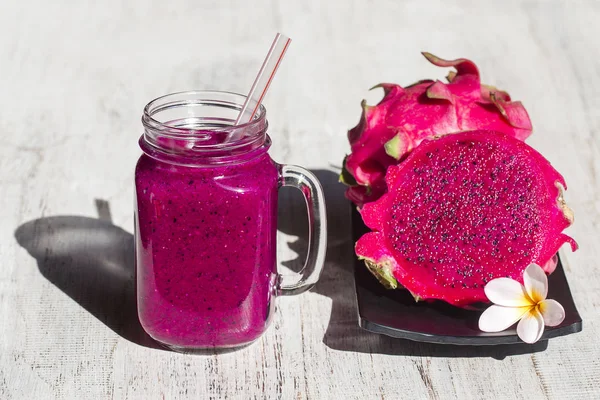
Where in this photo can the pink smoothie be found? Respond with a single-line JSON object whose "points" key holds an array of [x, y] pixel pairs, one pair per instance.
{"points": [[205, 237]]}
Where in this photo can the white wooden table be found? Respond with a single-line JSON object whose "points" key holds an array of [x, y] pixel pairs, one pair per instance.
{"points": [[74, 77]]}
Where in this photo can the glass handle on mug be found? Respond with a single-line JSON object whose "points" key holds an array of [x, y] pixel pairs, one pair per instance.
{"points": [[310, 187]]}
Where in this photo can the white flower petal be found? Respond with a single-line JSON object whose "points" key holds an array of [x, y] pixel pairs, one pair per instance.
{"points": [[536, 282], [507, 292], [552, 312], [498, 318], [531, 326]]}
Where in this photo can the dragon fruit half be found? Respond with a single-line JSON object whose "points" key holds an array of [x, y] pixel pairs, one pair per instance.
{"points": [[461, 210], [406, 116]]}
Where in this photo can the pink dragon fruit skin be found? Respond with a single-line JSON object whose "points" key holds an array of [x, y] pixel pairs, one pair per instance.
{"points": [[461, 210], [387, 132]]}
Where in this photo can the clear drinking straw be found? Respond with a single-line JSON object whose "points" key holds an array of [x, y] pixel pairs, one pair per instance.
{"points": [[263, 79]]}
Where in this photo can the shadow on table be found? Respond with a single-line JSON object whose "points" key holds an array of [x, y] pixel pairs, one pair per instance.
{"points": [[337, 283], [91, 261]]}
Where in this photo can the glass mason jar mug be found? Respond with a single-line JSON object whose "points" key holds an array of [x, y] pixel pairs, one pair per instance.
{"points": [[206, 223]]}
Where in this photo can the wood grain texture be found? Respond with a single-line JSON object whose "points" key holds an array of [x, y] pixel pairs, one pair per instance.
{"points": [[74, 77]]}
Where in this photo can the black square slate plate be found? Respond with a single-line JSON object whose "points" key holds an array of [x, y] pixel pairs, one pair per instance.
{"points": [[395, 313]]}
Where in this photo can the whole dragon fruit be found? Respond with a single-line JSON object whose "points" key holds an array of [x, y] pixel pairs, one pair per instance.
{"points": [[461, 210], [387, 132]]}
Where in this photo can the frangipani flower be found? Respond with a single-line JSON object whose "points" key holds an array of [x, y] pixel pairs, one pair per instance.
{"points": [[524, 303]]}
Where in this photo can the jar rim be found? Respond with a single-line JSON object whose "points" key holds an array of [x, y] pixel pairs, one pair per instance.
{"points": [[158, 104], [200, 125]]}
